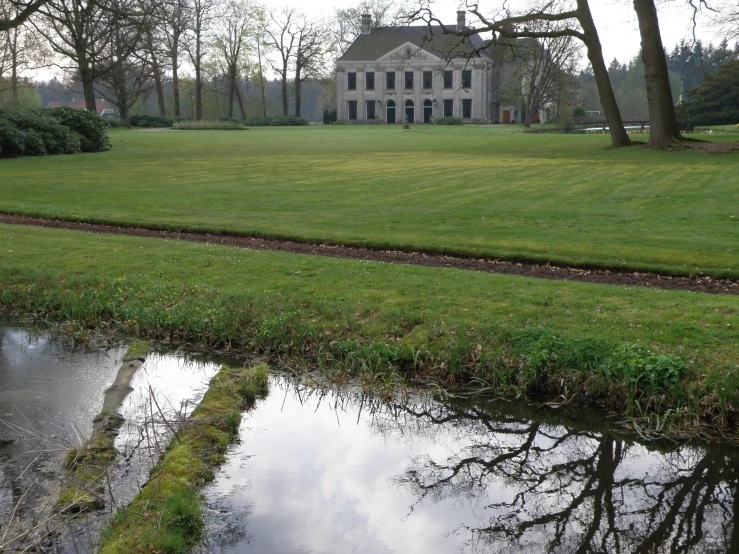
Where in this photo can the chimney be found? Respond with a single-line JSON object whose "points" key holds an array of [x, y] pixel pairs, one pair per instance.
{"points": [[366, 23], [460, 20]]}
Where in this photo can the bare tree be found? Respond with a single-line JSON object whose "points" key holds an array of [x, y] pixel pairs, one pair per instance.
{"points": [[310, 55], [259, 38], [282, 36], [78, 30], [21, 49], [346, 23], [126, 75], [175, 19], [202, 14], [547, 68], [20, 13], [232, 27]]}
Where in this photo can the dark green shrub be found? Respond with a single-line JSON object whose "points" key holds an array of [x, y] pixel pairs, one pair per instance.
{"points": [[449, 121], [113, 123], [88, 124], [256, 122], [38, 134], [329, 116], [715, 102], [578, 111], [11, 140], [289, 121], [150, 121]]}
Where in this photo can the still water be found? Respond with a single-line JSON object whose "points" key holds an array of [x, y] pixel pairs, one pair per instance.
{"points": [[320, 471]]}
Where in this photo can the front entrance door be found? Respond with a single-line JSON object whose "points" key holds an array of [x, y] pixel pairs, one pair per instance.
{"points": [[428, 111], [409, 112], [506, 116], [391, 111]]}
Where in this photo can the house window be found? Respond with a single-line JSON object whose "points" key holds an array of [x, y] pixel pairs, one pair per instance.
{"points": [[467, 78], [370, 109], [352, 109], [427, 79], [448, 79], [467, 109], [448, 108], [409, 80], [390, 80], [369, 80], [351, 81]]}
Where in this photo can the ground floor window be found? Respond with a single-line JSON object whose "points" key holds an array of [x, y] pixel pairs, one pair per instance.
{"points": [[370, 109], [448, 108], [352, 109], [467, 109], [428, 111]]}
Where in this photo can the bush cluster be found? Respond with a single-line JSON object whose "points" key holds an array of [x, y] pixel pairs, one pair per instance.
{"points": [[35, 133], [147, 121], [89, 125], [256, 122], [289, 121], [449, 121], [715, 102]]}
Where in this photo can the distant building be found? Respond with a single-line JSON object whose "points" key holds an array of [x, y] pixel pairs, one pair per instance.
{"points": [[417, 73]]}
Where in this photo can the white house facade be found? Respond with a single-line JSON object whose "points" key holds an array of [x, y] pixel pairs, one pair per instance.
{"points": [[415, 73]]}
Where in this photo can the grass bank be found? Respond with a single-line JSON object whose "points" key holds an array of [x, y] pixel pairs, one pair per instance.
{"points": [[166, 517], [654, 355], [479, 191]]}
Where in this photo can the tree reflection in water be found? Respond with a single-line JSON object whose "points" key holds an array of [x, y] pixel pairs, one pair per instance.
{"points": [[569, 490]]}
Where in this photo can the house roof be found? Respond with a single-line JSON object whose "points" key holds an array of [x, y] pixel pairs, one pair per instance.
{"points": [[370, 47]]}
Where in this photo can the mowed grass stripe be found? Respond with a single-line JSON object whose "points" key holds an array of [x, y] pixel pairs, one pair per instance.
{"points": [[475, 190]]}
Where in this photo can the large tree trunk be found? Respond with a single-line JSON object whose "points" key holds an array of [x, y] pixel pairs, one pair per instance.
{"points": [[664, 132], [14, 78], [619, 136], [231, 89], [175, 78], [261, 81], [87, 77], [241, 104]]}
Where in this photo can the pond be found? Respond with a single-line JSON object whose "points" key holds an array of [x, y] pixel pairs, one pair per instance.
{"points": [[321, 471]]}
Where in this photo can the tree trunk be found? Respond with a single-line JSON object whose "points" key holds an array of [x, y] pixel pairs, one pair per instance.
{"points": [[158, 86], [619, 136], [261, 81], [284, 91], [664, 132], [298, 78], [241, 104], [231, 89], [86, 76], [14, 78], [175, 78], [198, 80]]}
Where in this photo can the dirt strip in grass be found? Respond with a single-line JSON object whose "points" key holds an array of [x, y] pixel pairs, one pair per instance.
{"points": [[701, 283]]}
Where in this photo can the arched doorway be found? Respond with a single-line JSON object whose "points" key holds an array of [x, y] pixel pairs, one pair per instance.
{"points": [[409, 112], [428, 111], [390, 111]]}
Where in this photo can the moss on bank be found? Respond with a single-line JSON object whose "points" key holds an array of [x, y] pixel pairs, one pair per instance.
{"points": [[166, 516], [87, 464]]}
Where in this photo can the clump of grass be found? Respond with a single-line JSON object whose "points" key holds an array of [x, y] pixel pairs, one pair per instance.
{"points": [[166, 516], [137, 349]]}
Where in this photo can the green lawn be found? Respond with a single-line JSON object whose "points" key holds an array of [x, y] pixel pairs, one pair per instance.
{"points": [[489, 191], [371, 317]]}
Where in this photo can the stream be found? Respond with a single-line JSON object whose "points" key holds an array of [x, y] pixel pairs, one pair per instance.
{"points": [[325, 470]]}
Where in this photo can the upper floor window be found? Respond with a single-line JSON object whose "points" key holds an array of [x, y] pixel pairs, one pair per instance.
{"points": [[390, 80], [369, 80], [448, 79], [351, 81], [427, 79], [467, 78], [408, 80]]}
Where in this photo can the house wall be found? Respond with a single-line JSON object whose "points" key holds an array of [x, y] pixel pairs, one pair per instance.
{"points": [[481, 91]]}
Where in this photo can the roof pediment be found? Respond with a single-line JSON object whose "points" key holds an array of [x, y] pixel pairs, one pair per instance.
{"points": [[408, 51]]}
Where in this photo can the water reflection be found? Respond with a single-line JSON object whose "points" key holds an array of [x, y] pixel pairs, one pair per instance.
{"points": [[329, 472]]}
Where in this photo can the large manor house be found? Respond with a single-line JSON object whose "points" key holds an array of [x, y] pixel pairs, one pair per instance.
{"points": [[418, 74]]}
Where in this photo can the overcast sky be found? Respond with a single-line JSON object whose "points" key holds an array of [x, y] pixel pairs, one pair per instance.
{"points": [[615, 20]]}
